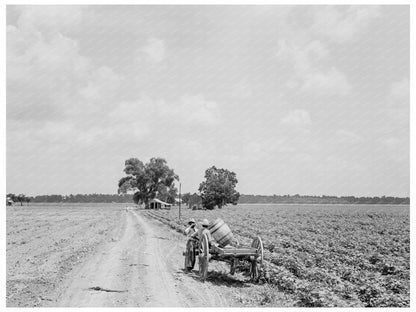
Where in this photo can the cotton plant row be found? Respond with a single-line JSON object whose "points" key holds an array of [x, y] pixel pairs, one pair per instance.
{"points": [[342, 256]]}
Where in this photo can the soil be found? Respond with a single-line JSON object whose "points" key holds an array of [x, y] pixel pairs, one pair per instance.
{"points": [[137, 262]]}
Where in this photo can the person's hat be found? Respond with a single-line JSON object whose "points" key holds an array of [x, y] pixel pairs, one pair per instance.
{"points": [[191, 220], [205, 222]]}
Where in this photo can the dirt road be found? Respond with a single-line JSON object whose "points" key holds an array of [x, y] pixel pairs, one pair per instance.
{"points": [[142, 267]]}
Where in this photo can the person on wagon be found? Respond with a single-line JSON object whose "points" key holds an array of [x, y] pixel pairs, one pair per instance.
{"points": [[204, 230]]}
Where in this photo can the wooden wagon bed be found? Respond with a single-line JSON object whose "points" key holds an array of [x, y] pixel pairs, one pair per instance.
{"points": [[234, 251], [230, 254]]}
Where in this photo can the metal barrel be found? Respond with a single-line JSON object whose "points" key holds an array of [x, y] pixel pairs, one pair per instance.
{"points": [[220, 232]]}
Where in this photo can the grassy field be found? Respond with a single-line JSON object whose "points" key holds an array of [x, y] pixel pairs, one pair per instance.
{"points": [[327, 255]]}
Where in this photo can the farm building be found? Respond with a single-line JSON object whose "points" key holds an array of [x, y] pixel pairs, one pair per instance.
{"points": [[9, 201], [195, 202], [158, 204]]}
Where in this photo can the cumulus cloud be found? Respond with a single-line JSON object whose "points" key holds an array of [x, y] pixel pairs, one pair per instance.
{"points": [[396, 148], [347, 137], [154, 51], [83, 95], [49, 18], [401, 89], [101, 90], [300, 56], [308, 52], [32, 57], [297, 117], [342, 24], [326, 83], [259, 149], [310, 75], [390, 142], [241, 90], [47, 76], [191, 109], [56, 97]]}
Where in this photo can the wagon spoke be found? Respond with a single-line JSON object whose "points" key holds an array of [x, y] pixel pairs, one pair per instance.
{"points": [[203, 258]]}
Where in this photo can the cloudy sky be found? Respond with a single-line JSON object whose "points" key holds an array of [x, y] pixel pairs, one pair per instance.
{"points": [[294, 99]]}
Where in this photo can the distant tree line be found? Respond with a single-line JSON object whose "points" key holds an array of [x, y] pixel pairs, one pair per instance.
{"points": [[188, 198], [244, 199], [308, 199], [83, 198]]}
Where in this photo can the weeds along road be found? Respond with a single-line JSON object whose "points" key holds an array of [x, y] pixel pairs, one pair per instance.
{"points": [[142, 267]]}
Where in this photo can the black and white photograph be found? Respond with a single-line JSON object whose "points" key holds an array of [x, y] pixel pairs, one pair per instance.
{"points": [[207, 155]]}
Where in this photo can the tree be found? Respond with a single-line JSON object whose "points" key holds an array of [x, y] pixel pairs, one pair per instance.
{"points": [[185, 198], [21, 198], [218, 189], [11, 196], [27, 200], [148, 181], [167, 194]]}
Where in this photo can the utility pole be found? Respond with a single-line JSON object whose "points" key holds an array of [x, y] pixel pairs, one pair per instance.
{"points": [[224, 190], [179, 202]]}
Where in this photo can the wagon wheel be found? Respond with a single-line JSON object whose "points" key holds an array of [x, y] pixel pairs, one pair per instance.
{"points": [[258, 244], [258, 260], [203, 257], [190, 255]]}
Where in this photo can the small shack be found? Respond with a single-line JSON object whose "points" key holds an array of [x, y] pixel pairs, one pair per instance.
{"points": [[158, 204], [9, 201]]}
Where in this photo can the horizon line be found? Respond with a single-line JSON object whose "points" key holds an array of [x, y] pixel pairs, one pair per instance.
{"points": [[270, 195]]}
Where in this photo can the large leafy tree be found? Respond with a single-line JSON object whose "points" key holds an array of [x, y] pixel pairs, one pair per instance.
{"points": [[218, 189], [148, 181]]}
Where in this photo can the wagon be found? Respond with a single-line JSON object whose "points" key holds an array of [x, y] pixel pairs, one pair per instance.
{"points": [[235, 256]]}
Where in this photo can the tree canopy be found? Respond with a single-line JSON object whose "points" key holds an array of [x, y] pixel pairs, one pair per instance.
{"points": [[218, 189], [19, 198], [152, 180], [191, 199]]}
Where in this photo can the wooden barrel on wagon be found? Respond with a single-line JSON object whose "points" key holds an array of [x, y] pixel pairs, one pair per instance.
{"points": [[220, 232]]}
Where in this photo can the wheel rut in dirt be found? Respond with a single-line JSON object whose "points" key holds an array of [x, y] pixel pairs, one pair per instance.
{"points": [[109, 269], [142, 267]]}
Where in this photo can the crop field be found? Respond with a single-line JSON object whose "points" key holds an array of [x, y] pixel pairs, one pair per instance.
{"points": [[45, 241], [331, 255]]}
